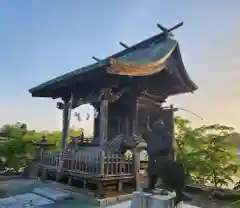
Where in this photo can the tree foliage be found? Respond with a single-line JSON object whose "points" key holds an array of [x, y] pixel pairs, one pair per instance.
{"points": [[204, 152], [206, 155], [18, 146]]}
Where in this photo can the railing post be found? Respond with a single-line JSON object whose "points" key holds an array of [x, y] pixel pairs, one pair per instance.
{"points": [[41, 154], [73, 155], [101, 161]]}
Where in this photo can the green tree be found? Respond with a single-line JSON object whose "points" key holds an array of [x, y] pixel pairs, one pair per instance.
{"points": [[14, 153], [18, 146], [17, 130], [204, 152]]}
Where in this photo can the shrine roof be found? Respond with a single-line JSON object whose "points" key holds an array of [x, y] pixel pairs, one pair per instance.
{"points": [[159, 43]]}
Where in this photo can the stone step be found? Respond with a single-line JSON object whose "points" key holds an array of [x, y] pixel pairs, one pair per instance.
{"points": [[52, 193]]}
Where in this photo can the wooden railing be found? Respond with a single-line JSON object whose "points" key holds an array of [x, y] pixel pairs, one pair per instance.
{"points": [[50, 158], [82, 163], [116, 165], [90, 164]]}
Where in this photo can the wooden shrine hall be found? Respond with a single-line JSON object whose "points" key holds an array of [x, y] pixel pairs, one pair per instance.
{"points": [[124, 88]]}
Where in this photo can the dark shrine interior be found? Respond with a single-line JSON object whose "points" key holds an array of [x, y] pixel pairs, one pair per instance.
{"points": [[144, 98]]}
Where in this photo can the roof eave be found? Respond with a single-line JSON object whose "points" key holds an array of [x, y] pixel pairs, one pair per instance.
{"points": [[47, 89], [190, 85], [53, 82]]}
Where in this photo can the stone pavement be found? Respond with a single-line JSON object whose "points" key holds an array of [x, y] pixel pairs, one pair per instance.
{"points": [[32, 193], [24, 200], [21, 193], [37, 197]]}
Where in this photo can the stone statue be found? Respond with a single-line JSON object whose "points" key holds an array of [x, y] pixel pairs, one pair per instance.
{"points": [[161, 164], [121, 143], [158, 145], [172, 176]]}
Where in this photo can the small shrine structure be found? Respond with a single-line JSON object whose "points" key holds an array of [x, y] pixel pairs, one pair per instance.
{"points": [[125, 89]]}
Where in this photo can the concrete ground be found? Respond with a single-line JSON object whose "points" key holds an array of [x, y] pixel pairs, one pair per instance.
{"points": [[22, 186]]}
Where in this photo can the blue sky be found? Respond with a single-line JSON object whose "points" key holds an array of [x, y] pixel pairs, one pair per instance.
{"points": [[43, 39]]}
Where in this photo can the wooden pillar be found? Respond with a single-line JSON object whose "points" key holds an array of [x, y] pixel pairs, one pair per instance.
{"points": [[67, 108], [136, 152], [66, 122], [101, 163], [96, 122], [172, 130], [96, 127], [118, 126], [136, 168], [127, 126], [135, 118], [103, 126]]}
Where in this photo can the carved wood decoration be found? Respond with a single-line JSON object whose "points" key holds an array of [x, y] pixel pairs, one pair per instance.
{"points": [[111, 96], [105, 94], [148, 100]]}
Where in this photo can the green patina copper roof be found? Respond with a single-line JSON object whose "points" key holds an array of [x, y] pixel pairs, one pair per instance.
{"points": [[97, 65], [147, 51]]}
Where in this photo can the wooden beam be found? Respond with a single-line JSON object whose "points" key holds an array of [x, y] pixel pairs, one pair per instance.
{"points": [[123, 45], [169, 31], [89, 99], [165, 30], [143, 104], [152, 97], [176, 26], [108, 94], [96, 59], [114, 96], [148, 100]]}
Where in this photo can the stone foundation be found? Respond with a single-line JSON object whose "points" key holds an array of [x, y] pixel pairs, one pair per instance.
{"points": [[149, 200]]}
